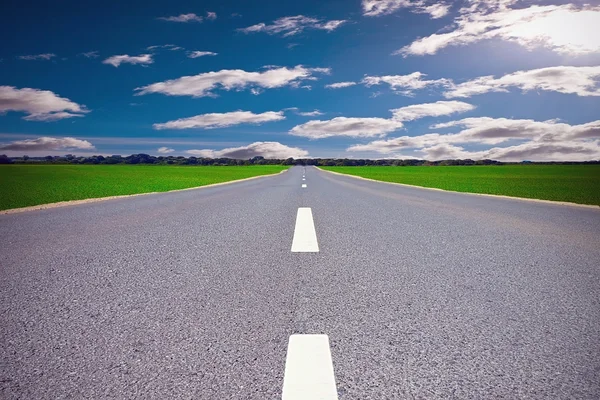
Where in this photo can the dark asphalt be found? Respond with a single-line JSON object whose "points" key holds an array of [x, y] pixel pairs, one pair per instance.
{"points": [[193, 295]]}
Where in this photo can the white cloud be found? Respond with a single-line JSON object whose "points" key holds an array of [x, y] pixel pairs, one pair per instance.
{"points": [[531, 151], [165, 150], [369, 127], [343, 126], [90, 54], [40, 105], [310, 113], [540, 141], [202, 85], [211, 15], [405, 84], [51, 117], [196, 54], [582, 81], [221, 120], [542, 151], [115, 61], [416, 111], [339, 85], [47, 143], [400, 143], [375, 8], [263, 149], [498, 130], [45, 56], [191, 17], [436, 10], [566, 28], [290, 26], [171, 47]]}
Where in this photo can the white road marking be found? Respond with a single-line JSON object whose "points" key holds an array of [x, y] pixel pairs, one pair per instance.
{"points": [[309, 369], [304, 185], [303, 178], [305, 236]]}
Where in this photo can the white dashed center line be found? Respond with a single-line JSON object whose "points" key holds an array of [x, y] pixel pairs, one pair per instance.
{"points": [[305, 236], [304, 185], [309, 369]]}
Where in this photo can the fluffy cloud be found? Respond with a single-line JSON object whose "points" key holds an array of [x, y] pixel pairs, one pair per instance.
{"points": [[290, 26], [216, 120], [562, 28], [45, 56], [375, 8], [202, 85], [498, 130], [582, 81], [370, 127], [164, 150], [400, 143], [343, 126], [532, 151], [263, 149], [211, 15], [40, 105], [540, 141], [340, 85], [405, 84], [436, 109], [191, 17], [115, 61], [196, 54], [48, 143]]}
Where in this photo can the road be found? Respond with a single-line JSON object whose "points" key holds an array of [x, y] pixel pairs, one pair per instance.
{"points": [[423, 294]]}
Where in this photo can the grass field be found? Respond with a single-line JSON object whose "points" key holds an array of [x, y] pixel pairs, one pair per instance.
{"points": [[572, 183], [28, 185]]}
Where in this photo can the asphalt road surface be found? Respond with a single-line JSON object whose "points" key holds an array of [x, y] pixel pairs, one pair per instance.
{"points": [[194, 295]]}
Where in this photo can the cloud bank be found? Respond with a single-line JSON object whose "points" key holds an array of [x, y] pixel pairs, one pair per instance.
{"points": [[537, 141]]}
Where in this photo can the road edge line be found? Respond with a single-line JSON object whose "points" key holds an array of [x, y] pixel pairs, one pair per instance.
{"points": [[551, 202]]}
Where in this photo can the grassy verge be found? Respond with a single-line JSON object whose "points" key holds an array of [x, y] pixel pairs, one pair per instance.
{"points": [[571, 183], [29, 185]]}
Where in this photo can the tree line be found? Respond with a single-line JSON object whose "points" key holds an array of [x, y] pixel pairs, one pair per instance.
{"points": [[147, 159]]}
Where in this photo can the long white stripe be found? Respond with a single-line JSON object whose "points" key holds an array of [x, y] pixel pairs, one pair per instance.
{"points": [[309, 369], [305, 236]]}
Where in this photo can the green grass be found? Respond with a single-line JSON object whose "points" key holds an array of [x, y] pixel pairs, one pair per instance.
{"points": [[28, 185], [572, 183]]}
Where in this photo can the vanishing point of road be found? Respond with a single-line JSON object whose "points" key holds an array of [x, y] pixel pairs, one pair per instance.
{"points": [[196, 294]]}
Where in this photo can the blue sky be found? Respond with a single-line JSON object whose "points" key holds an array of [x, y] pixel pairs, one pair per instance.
{"points": [[501, 79]]}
